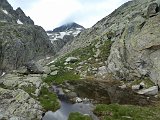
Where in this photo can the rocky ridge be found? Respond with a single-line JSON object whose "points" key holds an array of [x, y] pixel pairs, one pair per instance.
{"points": [[21, 41], [8, 14], [22, 44]]}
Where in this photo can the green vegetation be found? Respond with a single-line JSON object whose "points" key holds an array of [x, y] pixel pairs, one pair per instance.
{"points": [[78, 116], [148, 83], [126, 112], [87, 59], [83, 53], [48, 100], [29, 89], [61, 77], [105, 50]]}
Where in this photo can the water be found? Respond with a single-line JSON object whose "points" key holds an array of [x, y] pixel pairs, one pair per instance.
{"points": [[67, 108]]}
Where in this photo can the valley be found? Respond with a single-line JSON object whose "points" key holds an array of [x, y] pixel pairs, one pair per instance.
{"points": [[107, 72]]}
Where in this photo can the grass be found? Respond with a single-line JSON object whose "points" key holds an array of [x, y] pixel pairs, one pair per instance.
{"points": [[83, 54], [61, 77], [78, 116], [105, 50], [126, 112], [29, 89], [148, 83], [48, 100]]}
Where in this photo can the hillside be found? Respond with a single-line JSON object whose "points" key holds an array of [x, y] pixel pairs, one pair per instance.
{"points": [[133, 29]]}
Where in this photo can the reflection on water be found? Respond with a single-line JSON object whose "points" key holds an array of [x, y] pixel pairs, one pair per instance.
{"points": [[67, 108]]}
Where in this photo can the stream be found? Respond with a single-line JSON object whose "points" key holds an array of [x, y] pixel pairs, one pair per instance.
{"points": [[67, 108]]}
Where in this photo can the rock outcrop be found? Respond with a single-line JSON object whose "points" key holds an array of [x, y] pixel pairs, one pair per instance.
{"points": [[8, 14], [20, 40]]}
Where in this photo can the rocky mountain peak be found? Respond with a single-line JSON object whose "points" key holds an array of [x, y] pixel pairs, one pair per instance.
{"points": [[67, 26], [22, 17], [64, 34], [8, 14]]}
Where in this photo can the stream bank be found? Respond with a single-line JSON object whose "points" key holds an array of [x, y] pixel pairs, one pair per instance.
{"points": [[89, 93]]}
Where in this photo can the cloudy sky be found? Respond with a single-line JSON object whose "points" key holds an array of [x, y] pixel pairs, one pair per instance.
{"points": [[53, 13]]}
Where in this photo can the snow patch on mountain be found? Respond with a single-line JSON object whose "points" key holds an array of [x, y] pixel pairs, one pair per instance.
{"points": [[60, 35], [19, 22], [5, 11]]}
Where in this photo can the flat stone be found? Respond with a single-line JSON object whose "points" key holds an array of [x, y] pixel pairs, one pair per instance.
{"points": [[53, 68], [135, 87], [150, 91], [71, 59], [54, 73], [46, 70]]}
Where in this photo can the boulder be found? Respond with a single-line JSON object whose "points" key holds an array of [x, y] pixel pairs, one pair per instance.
{"points": [[150, 91], [60, 91], [54, 73], [18, 105], [78, 100], [135, 87], [71, 95], [46, 70], [34, 68], [102, 70], [153, 8], [53, 67], [71, 60], [21, 70]]}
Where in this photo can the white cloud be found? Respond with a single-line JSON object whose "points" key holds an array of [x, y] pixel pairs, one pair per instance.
{"points": [[52, 13]]}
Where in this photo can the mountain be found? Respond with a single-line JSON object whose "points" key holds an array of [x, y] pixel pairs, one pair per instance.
{"points": [[21, 41], [7, 14], [115, 61], [68, 26], [22, 44], [64, 34], [133, 29]]}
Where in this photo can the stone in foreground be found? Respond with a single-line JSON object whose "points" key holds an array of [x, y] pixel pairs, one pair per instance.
{"points": [[150, 91]]}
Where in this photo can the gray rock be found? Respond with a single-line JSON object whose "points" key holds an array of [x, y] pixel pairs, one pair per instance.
{"points": [[53, 67], [46, 70], [153, 9], [21, 44], [21, 70], [135, 87], [150, 91], [78, 100], [102, 70], [17, 104], [142, 84], [123, 86], [71, 59], [34, 68], [71, 95], [60, 91], [54, 73]]}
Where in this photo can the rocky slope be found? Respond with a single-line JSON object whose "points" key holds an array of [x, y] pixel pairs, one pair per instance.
{"points": [[22, 89], [20, 40], [134, 30], [64, 34]]}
